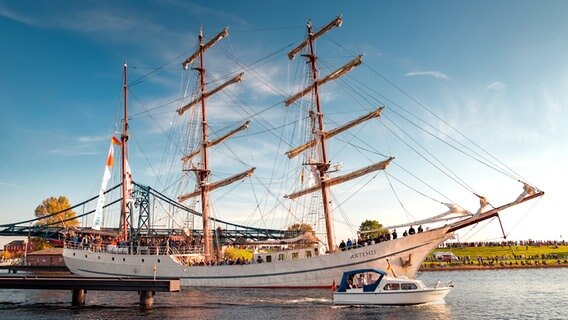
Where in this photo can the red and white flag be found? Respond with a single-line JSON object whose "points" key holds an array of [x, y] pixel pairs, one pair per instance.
{"points": [[106, 177]]}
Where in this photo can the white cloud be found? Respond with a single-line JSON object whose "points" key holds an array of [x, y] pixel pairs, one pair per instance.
{"points": [[87, 139], [74, 151], [433, 73], [11, 185], [496, 86], [14, 16]]}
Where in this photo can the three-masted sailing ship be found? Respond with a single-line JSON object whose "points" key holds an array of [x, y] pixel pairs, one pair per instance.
{"points": [[297, 262]]}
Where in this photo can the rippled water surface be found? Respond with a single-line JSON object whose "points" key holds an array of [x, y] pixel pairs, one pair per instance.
{"points": [[492, 294]]}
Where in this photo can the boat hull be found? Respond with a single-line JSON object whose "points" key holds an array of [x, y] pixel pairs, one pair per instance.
{"points": [[390, 298], [401, 256]]}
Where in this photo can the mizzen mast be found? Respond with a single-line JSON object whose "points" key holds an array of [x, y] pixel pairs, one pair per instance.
{"points": [[201, 168], [124, 171], [321, 165]]}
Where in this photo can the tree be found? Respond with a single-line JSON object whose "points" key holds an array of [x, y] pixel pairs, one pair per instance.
{"points": [[372, 225], [301, 228], [235, 253], [53, 205], [40, 244]]}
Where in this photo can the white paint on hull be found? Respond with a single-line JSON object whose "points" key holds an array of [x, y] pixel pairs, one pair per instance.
{"points": [[317, 271]]}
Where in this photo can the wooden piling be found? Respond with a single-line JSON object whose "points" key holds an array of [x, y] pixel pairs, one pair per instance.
{"points": [[147, 298], [78, 299]]}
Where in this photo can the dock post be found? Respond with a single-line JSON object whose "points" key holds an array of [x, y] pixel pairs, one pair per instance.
{"points": [[78, 297], [147, 298]]}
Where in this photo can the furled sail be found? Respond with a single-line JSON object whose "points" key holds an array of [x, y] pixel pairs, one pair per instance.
{"points": [[217, 141], [335, 23], [332, 76], [218, 184], [329, 134], [344, 178], [235, 79], [206, 46]]}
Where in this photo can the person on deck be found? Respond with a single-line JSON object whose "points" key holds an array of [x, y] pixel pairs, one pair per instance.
{"points": [[411, 230], [349, 244], [394, 235], [342, 245], [420, 228]]}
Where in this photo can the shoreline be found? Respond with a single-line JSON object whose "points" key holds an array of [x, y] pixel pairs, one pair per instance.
{"points": [[497, 267]]}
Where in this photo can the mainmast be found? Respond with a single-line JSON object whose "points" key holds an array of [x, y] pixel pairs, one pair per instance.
{"points": [[123, 140], [321, 165], [202, 169]]}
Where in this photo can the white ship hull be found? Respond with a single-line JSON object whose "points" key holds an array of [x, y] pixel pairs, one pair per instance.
{"points": [[404, 256]]}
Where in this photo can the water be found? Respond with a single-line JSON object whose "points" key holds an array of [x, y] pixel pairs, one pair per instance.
{"points": [[491, 294]]}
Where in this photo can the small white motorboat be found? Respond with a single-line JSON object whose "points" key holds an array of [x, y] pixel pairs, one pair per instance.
{"points": [[374, 286]]}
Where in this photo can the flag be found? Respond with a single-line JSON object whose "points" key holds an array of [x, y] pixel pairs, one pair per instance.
{"points": [[115, 141], [106, 177], [110, 158]]}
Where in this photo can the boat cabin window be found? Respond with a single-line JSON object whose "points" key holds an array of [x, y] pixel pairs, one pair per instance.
{"points": [[408, 286], [268, 259], [281, 257], [392, 286], [295, 255], [308, 254]]}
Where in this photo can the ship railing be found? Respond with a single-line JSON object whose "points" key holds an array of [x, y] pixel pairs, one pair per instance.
{"points": [[89, 246], [167, 250], [136, 249]]}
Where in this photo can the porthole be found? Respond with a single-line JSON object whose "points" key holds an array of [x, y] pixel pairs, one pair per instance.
{"points": [[123, 259], [142, 260], [158, 260], [112, 258]]}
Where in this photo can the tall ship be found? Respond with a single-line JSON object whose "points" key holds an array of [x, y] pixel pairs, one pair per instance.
{"points": [[303, 252]]}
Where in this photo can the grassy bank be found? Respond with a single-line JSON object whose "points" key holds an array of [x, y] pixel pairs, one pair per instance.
{"points": [[492, 257]]}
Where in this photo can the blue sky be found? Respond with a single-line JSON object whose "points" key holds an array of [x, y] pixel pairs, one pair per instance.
{"points": [[496, 70]]}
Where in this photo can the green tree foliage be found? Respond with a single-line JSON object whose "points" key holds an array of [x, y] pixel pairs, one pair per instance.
{"points": [[236, 253], [372, 225], [301, 228], [40, 244], [53, 205]]}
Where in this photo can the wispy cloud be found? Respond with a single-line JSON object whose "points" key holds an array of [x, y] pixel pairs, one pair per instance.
{"points": [[74, 151], [200, 10], [433, 73], [88, 139], [4, 12], [7, 184], [496, 86]]}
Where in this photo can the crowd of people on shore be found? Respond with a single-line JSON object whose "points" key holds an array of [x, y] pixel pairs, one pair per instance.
{"points": [[505, 243]]}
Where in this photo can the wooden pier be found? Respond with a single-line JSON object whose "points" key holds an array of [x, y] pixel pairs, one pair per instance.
{"points": [[79, 286]]}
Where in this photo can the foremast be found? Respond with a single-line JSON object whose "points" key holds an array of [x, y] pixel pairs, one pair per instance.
{"points": [[320, 166], [124, 171], [201, 168]]}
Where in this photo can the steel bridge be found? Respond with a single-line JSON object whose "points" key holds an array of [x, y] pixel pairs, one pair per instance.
{"points": [[141, 222]]}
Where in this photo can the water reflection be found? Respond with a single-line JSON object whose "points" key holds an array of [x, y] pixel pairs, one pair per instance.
{"points": [[496, 294]]}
